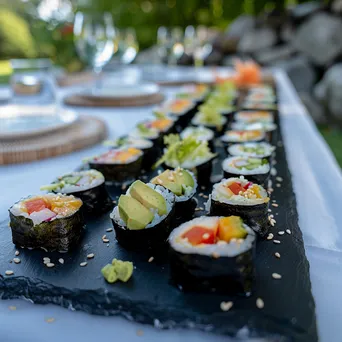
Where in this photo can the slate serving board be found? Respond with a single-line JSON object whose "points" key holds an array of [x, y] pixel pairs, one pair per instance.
{"points": [[288, 315]]}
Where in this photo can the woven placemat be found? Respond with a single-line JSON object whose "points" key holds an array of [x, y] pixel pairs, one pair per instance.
{"points": [[85, 132], [79, 100]]}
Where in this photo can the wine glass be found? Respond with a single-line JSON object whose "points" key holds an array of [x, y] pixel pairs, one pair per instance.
{"points": [[163, 43], [128, 45], [189, 40], [94, 36], [203, 47], [177, 45]]}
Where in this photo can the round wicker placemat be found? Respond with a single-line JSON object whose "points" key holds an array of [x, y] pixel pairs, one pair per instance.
{"points": [[85, 132], [79, 100]]}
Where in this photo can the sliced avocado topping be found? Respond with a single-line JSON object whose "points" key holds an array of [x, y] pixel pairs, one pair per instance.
{"points": [[148, 197], [255, 161], [133, 213], [168, 180], [117, 270], [183, 177]]}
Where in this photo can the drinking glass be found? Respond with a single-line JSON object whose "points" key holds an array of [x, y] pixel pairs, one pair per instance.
{"points": [[203, 47], [128, 45], [94, 36], [189, 40]]}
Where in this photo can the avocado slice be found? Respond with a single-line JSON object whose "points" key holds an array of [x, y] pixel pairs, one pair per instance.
{"points": [[123, 269], [255, 161], [133, 213], [183, 177], [72, 180], [231, 227], [168, 180], [148, 197]]}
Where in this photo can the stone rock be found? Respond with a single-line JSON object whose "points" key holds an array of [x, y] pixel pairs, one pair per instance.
{"points": [[320, 38], [329, 91], [256, 40], [315, 109], [227, 42], [303, 11], [274, 54], [300, 72]]}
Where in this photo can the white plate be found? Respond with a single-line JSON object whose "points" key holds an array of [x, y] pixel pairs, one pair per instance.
{"points": [[119, 91], [17, 122]]}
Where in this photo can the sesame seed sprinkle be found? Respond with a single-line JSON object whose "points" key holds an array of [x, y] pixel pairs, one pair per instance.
{"points": [[61, 261], [281, 232], [276, 242], [205, 236], [50, 264], [16, 260], [109, 229], [151, 259], [90, 256], [123, 187], [205, 196], [16, 253], [105, 240], [275, 205], [278, 185], [104, 236], [288, 231], [276, 276], [9, 272], [226, 306], [277, 255], [279, 179], [269, 210], [83, 264], [270, 236], [260, 303], [215, 255]]}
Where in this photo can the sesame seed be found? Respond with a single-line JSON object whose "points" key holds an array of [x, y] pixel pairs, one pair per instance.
{"points": [[275, 205], [104, 236], [205, 196], [46, 260], [288, 231], [272, 223], [61, 261], [50, 264], [221, 242], [9, 272], [203, 187], [12, 307], [240, 241], [109, 229], [260, 303], [151, 259], [114, 202], [83, 264], [279, 179], [16, 260], [201, 194], [90, 256], [278, 185], [226, 306], [105, 240], [205, 236], [16, 253], [159, 181], [276, 276], [276, 242], [140, 333], [277, 255], [123, 187], [270, 236], [233, 240], [215, 255], [49, 320], [281, 232], [269, 210]]}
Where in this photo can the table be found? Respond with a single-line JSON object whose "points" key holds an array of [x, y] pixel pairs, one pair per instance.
{"points": [[317, 182]]}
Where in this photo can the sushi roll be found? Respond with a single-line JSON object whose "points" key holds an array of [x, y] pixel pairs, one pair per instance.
{"points": [[143, 131], [87, 185], [211, 119], [238, 196], [213, 254], [183, 184], [53, 222], [249, 117], [162, 123], [143, 218], [121, 165], [240, 136], [269, 128], [190, 154], [194, 92], [201, 133], [254, 169], [253, 150], [151, 152], [260, 97], [249, 105]]}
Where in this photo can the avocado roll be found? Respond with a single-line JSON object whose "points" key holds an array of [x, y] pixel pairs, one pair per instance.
{"points": [[190, 154], [254, 169], [238, 196], [53, 222], [183, 184], [87, 185], [120, 165], [240, 136], [249, 117], [201, 133], [151, 152], [253, 150], [143, 218], [269, 128], [162, 123], [213, 254]]}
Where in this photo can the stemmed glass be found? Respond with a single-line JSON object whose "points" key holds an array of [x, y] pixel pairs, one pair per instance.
{"points": [[170, 44], [203, 47], [94, 36], [128, 45]]}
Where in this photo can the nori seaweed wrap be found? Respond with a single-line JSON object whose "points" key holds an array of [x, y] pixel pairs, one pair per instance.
{"points": [[53, 222], [143, 218], [213, 254], [237, 196], [89, 186], [117, 166], [254, 169]]}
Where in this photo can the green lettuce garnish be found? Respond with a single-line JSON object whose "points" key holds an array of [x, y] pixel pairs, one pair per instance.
{"points": [[210, 116], [179, 151], [159, 115]]}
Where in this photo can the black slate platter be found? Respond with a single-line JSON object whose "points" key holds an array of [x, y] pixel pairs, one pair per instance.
{"points": [[148, 297]]}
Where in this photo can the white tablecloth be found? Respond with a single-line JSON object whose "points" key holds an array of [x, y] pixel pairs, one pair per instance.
{"points": [[318, 186]]}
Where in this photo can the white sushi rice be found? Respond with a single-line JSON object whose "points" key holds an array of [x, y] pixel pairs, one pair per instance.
{"points": [[233, 137], [198, 122], [227, 165], [169, 199], [220, 193], [41, 216], [137, 134], [132, 142], [90, 179], [230, 249], [201, 133], [237, 149], [253, 116], [264, 126]]}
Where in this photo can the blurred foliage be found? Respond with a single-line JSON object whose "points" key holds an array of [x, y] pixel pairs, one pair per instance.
{"points": [[333, 138]]}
